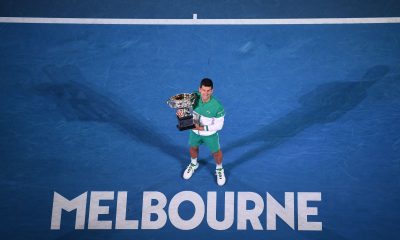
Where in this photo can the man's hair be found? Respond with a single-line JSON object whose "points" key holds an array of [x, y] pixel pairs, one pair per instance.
{"points": [[206, 82]]}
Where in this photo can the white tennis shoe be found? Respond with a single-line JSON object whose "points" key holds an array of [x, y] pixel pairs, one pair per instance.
{"points": [[190, 170], [220, 176]]}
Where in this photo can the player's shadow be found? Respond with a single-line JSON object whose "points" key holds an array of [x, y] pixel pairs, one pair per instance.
{"points": [[79, 102], [326, 103]]}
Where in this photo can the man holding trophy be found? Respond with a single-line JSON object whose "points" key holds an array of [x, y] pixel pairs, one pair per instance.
{"points": [[204, 115]]}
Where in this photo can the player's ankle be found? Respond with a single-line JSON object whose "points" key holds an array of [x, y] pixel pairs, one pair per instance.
{"points": [[218, 166]]}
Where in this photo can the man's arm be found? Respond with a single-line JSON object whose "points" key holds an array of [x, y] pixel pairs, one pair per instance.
{"points": [[198, 127], [216, 126]]}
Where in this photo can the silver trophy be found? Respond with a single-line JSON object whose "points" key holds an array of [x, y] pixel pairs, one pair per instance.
{"points": [[184, 104]]}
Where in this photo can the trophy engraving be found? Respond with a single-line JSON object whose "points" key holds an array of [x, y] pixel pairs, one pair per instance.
{"points": [[184, 104]]}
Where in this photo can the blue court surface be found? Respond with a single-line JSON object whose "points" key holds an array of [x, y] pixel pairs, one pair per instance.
{"points": [[309, 109]]}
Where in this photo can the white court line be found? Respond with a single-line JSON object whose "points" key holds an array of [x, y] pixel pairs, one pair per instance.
{"points": [[196, 21]]}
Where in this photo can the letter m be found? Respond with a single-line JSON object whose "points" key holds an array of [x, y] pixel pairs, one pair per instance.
{"points": [[60, 203]]}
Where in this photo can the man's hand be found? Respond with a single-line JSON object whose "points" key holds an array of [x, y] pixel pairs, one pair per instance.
{"points": [[197, 127]]}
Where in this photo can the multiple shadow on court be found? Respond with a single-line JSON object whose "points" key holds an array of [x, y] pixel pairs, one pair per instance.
{"points": [[326, 103], [78, 102]]}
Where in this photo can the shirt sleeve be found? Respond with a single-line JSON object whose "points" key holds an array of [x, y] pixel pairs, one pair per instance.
{"points": [[197, 93], [216, 126], [220, 112]]}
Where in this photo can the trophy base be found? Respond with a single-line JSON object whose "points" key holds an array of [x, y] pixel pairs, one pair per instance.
{"points": [[185, 128], [185, 123]]}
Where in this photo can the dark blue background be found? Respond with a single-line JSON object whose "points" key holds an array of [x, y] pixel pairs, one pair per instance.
{"points": [[204, 8]]}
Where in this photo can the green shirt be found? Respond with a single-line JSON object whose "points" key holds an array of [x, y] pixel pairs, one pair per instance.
{"points": [[211, 109]]}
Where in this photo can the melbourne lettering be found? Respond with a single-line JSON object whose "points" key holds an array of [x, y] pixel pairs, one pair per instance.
{"points": [[240, 210]]}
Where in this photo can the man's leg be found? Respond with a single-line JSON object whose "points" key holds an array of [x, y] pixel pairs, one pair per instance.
{"points": [[194, 142], [194, 152], [213, 143], [218, 157]]}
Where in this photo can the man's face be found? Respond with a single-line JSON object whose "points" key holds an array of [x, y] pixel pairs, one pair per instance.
{"points": [[205, 93]]}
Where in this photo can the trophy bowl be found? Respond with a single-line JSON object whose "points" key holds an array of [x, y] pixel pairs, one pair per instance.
{"points": [[183, 102]]}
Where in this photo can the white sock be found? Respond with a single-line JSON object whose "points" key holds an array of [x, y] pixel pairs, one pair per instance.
{"points": [[218, 166], [194, 161]]}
